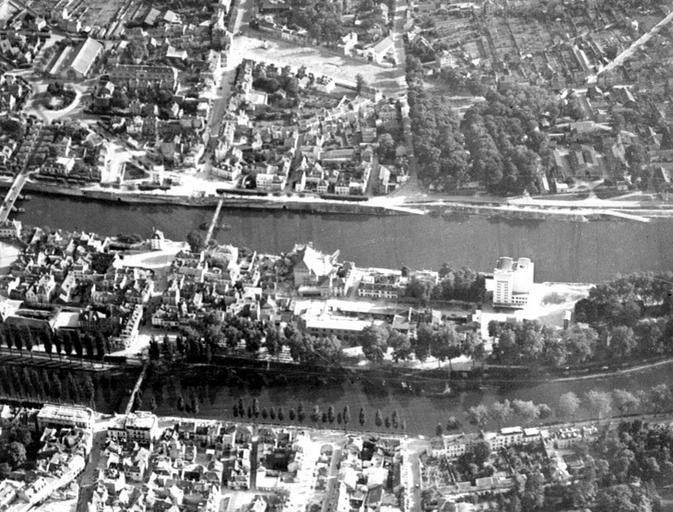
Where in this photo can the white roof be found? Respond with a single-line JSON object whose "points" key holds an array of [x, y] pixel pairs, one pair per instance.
{"points": [[62, 412], [336, 323], [141, 420], [85, 56], [511, 430]]}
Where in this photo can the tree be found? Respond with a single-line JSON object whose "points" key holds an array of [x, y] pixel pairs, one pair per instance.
{"points": [[543, 411], [280, 415], [374, 342], [16, 454], [360, 83], [568, 404], [272, 341], [89, 390], [622, 342], [481, 451], [9, 337], [452, 423], [18, 340], [331, 414], [346, 415], [153, 350], [101, 345], [625, 401], [180, 403], [400, 344], [362, 417], [599, 402], [660, 397], [439, 430], [58, 344], [532, 497], [423, 341], [195, 241], [478, 415], [88, 346], [47, 341], [67, 345], [255, 407], [386, 149], [77, 343], [526, 409], [28, 341], [501, 411], [445, 344], [378, 418]]}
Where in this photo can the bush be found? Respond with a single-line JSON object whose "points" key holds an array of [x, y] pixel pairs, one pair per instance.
{"points": [[553, 298]]}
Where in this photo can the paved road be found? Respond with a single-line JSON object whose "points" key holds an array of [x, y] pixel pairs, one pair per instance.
{"points": [[329, 502], [411, 473], [89, 477]]}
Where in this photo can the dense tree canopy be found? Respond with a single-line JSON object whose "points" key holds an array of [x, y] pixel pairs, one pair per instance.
{"points": [[498, 142]]}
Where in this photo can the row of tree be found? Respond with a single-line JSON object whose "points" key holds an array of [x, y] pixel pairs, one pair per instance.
{"points": [[42, 384], [316, 415], [502, 412], [199, 342], [64, 342], [463, 284], [441, 341], [601, 404], [529, 342]]}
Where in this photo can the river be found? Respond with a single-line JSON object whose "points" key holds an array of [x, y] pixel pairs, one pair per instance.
{"points": [[421, 413], [561, 250]]}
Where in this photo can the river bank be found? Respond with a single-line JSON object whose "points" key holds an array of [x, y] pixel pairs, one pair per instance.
{"points": [[524, 208], [306, 205]]}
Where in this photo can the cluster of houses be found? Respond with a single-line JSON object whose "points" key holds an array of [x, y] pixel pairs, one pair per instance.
{"points": [[62, 153], [369, 474], [65, 439], [555, 445], [331, 151], [591, 140], [23, 39], [14, 91], [526, 49], [189, 464], [76, 282], [209, 281]]}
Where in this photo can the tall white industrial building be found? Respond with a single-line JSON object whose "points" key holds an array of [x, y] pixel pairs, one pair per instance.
{"points": [[512, 282]]}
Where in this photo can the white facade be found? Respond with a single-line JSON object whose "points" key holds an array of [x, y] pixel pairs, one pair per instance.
{"points": [[512, 282]]}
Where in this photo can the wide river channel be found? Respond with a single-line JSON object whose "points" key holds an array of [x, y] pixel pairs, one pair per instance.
{"points": [[562, 251]]}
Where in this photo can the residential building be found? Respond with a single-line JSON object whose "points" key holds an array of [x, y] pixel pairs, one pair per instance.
{"points": [[65, 416], [166, 76]]}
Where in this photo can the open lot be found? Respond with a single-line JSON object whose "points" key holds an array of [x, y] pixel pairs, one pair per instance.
{"points": [[317, 60]]}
